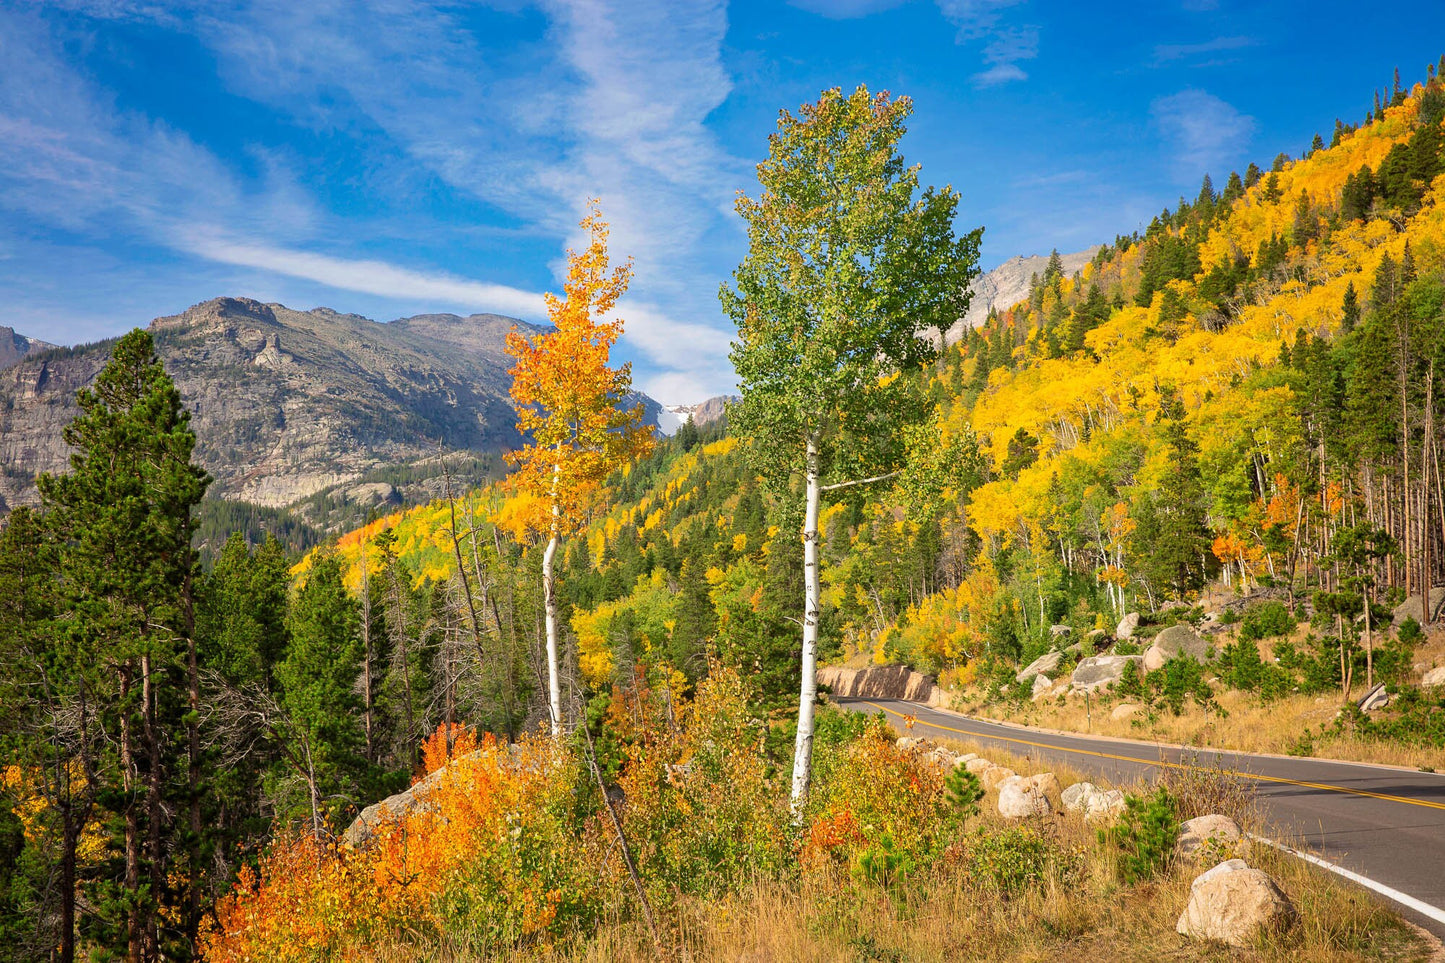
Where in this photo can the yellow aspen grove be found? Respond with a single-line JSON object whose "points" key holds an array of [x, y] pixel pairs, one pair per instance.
{"points": [[569, 403]]}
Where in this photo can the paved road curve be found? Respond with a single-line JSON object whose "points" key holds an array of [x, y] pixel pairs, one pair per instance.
{"points": [[1385, 824]]}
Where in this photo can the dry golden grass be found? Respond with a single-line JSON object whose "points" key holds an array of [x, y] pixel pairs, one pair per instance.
{"points": [[941, 914], [1247, 725]]}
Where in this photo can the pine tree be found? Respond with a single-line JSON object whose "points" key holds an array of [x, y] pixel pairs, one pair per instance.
{"points": [[318, 683], [1350, 310], [126, 581]]}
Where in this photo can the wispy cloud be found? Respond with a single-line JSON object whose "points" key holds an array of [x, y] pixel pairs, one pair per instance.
{"points": [[366, 276], [1006, 46], [846, 9], [1203, 131], [611, 102], [1171, 52]]}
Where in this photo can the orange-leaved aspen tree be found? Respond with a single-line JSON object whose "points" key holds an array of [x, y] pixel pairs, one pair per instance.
{"points": [[570, 405]]}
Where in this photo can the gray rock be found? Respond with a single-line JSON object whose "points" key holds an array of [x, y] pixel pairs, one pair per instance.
{"points": [[1101, 671], [1213, 836], [1042, 685], [1414, 606], [1023, 797], [1127, 625], [1376, 698], [1232, 902], [1092, 802], [1047, 662], [1180, 640], [1434, 678], [287, 404], [1057, 631], [1123, 710]]}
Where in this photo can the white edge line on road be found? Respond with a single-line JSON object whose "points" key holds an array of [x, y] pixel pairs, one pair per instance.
{"points": [[1404, 899]]}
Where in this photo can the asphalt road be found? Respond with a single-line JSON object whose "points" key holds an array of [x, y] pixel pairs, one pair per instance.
{"points": [[1384, 824]]}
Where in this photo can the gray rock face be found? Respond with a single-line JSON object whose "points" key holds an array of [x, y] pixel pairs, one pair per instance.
{"points": [[1045, 663], [1127, 626], [1232, 902], [1101, 671], [1008, 284], [1058, 631], [286, 404], [1434, 678], [15, 347]]}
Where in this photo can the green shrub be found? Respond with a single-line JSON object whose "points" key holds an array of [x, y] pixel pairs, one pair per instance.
{"points": [[1009, 861], [1144, 835], [1266, 620], [1410, 632]]}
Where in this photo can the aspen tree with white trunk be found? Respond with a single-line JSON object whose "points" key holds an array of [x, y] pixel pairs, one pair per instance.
{"points": [[850, 271], [569, 404]]}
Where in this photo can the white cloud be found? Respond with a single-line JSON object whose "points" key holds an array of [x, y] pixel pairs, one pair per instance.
{"points": [[1204, 131], [612, 102], [1170, 52], [1006, 46], [846, 9], [367, 276]]}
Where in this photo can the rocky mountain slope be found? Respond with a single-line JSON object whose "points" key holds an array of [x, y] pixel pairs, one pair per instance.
{"points": [[290, 404], [1008, 284], [15, 346]]}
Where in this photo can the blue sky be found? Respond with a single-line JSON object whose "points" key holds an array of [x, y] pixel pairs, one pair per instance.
{"points": [[388, 158]]}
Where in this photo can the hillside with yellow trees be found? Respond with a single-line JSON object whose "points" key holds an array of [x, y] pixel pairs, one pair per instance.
{"points": [[1213, 452], [1241, 398]]}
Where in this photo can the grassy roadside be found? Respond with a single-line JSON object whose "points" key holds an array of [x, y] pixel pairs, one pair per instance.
{"points": [[1073, 907]]}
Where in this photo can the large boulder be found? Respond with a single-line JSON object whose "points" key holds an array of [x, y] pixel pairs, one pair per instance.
{"points": [[1180, 640], [1124, 710], [1020, 797], [995, 776], [1127, 626], [1059, 631], [1210, 837], [1044, 664], [1232, 902], [1434, 678], [1092, 802], [1376, 698], [1414, 606], [1101, 671], [977, 765]]}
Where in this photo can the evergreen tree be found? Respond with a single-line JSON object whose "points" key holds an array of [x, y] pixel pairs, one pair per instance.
{"points": [[318, 683], [126, 585]]}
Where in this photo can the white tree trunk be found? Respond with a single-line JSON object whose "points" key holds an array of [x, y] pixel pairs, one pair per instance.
{"points": [[803, 749], [549, 594], [549, 599]]}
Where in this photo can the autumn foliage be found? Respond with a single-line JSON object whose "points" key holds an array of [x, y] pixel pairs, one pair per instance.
{"points": [[569, 401]]}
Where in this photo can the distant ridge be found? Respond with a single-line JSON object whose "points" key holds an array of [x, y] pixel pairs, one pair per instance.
{"points": [[1008, 284], [292, 406], [15, 347]]}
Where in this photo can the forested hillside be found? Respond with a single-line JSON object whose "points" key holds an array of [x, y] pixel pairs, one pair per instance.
{"points": [[555, 715], [1244, 394]]}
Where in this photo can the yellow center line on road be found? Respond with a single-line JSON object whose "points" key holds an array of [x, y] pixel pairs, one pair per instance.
{"points": [[1428, 804]]}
